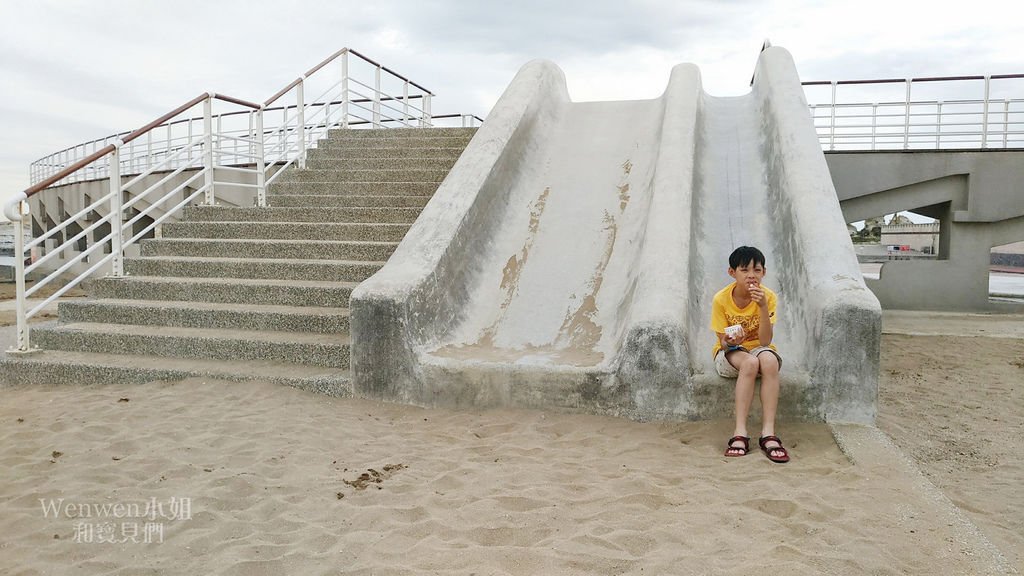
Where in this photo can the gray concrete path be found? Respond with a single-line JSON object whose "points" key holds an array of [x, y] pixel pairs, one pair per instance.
{"points": [[923, 508], [920, 323]]}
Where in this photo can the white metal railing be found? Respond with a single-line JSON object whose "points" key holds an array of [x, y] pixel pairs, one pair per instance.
{"points": [[249, 138], [920, 123], [362, 93]]}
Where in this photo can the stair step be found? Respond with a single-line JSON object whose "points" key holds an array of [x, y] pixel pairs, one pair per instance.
{"points": [[451, 152], [254, 293], [228, 290], [49, 366], [334, 163], [328, 350], [334, 201], [354, 188], [268, 268], [367, 175], [277, 249], [391, 133], [210, 315], [301, 214], [286, 230], [382, 142]]}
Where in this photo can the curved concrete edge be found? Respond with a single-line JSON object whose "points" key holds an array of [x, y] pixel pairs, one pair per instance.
{"points": [[423, 288], [653, 358], [826, 290], [422, 291]]}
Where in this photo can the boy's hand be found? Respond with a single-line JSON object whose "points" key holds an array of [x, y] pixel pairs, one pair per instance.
{"points": [[735, 340], [757, 295]]}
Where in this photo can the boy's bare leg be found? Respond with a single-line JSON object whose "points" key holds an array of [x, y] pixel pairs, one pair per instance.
{"points": [[748, 367], [769, 367]]}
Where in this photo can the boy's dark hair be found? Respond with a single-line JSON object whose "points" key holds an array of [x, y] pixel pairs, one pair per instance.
{"points": [[745, 255]]}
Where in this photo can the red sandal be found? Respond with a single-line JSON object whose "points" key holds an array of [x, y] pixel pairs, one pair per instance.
{"points": [[742, 449], [768, 450]]}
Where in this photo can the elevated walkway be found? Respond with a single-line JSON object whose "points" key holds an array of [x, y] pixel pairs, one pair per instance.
{"points": [[978, 199]]}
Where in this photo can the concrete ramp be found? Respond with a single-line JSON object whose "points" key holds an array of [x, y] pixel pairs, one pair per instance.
{"points": [[569, 259], [556, 275]]}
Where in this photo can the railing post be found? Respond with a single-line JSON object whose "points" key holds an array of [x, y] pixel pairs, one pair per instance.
{"points": [[376, 97], [832, 120], [874, 123], [984, 113], [301, 119], [261, 163], [116, 209], [405, 107], [938, 125], [425, 120], [219, 152], [252, 135], [906, 119], [344, 90], [208, 150], [1006, 119], [19, 278]]}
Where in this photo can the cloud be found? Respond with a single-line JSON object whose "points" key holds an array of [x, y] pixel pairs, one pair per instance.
{"points": [[77, 70]]}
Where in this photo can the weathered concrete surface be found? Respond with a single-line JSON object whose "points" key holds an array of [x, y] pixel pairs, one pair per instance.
{"points": [[978, 198], [569, 258]]}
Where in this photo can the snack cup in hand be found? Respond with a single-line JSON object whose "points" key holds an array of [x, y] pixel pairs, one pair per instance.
{"points": [[733, 331]]}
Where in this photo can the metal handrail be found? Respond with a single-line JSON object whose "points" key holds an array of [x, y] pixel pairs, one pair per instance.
{"points": [[921, 79], [39, 167], [207, 146], [980, 123]]}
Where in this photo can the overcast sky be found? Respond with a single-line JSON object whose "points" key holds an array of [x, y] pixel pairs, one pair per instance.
{"points": [[72, 70]]}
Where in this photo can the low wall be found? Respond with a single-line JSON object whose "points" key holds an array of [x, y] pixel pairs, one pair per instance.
{"points": [[978, 198]]}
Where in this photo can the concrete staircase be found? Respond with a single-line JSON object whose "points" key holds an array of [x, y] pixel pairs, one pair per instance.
{"points": [[253, 293]]}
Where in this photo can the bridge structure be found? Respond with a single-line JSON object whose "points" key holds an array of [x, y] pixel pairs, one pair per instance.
{"points": [[948, 148]]}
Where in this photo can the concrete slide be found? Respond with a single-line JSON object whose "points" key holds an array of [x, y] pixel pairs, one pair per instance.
{"points": [[569, 259]]}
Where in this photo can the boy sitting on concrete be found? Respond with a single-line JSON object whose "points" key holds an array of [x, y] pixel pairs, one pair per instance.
{"points": [[742, 316]]}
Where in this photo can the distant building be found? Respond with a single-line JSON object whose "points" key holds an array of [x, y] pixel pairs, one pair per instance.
{"points": [[1009, 255], [922, 238]]}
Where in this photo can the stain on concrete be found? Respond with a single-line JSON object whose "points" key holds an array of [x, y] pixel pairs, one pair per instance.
{"points": [[513, 269], [579, 329]]}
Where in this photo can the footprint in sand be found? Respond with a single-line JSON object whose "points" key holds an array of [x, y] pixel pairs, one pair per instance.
{"points": [[776, 508]]}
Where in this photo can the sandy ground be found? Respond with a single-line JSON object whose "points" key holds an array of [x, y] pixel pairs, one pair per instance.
{"points": [[7, 295], [281, 481], [952, 397]]}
